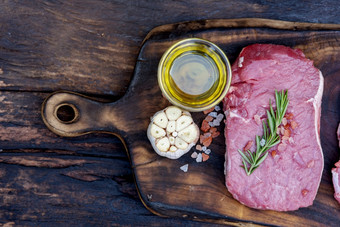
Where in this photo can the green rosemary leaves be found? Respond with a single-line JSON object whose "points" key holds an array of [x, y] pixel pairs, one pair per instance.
{"points": [[252, 160]]}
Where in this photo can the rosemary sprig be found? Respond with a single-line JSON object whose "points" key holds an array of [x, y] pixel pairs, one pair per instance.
{"points": [[252, 160]]}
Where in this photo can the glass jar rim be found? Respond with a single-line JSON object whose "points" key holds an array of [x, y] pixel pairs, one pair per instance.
{"points": [[214, 49]]}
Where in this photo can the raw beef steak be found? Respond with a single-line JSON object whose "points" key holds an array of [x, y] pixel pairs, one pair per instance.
{"points": [[336, 174], [290, 176]]}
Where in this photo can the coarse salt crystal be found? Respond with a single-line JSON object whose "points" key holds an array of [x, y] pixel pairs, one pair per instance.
{"points": [[225, 168], [208, 118], [286, 133], [211, 124], [199, 158], [194, 154], [281, 147], [248, 145], [293, 124], [207, 141], [232, 89], [215, 134], [262, 142], [291, 140], [310, 164], [240, 61], [282, 130], [217, 108], [213, 114], [304, 192], [257, 119], [208, 111], [207, 151], [216, 122], [220, 117], [204, 148], [207, 134], [184, 168], [205, 157], [226, 113], [289, 116], [273, 153]]}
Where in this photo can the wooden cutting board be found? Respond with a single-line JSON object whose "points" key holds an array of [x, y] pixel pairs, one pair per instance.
{"points": [[200, 193]]}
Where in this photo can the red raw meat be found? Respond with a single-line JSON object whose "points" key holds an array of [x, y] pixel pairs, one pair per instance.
{"points": [[290, 176], [336, 174]]}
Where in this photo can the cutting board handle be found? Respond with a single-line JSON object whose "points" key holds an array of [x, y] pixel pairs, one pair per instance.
{"points": [[70, 114]]}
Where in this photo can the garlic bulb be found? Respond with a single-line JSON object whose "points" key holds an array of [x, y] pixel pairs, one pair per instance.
{"points": [[172, 132]]}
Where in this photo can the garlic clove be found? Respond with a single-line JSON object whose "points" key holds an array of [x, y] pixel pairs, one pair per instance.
{"points": [[173, 113], [173, 148], [163, 144], [171, 127], [181, 144], [183, 122], [160, 119], [189, 134], [172, 140], [156, 131]]}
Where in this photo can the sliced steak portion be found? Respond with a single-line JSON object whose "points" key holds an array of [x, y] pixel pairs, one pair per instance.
{"points": [[336, 174], [290, 176]]}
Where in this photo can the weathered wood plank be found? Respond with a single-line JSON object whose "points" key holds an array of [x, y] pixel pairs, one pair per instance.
{"points": [[68, 190], [89, 47]]}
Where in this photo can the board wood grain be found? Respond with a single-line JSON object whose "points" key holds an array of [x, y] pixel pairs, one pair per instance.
{"points": [[200, 193]]}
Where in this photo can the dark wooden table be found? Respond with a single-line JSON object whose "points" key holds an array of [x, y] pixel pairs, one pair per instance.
{"points": [[88, 47]]}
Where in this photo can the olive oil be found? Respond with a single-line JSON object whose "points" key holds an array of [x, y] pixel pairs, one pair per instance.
{"points": [[194, 74]]}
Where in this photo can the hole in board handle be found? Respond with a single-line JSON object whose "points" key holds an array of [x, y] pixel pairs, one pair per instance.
{"points": [[66, 113]]}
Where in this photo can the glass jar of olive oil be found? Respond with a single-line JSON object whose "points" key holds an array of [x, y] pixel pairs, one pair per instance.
{"points": [[194, 74]]}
